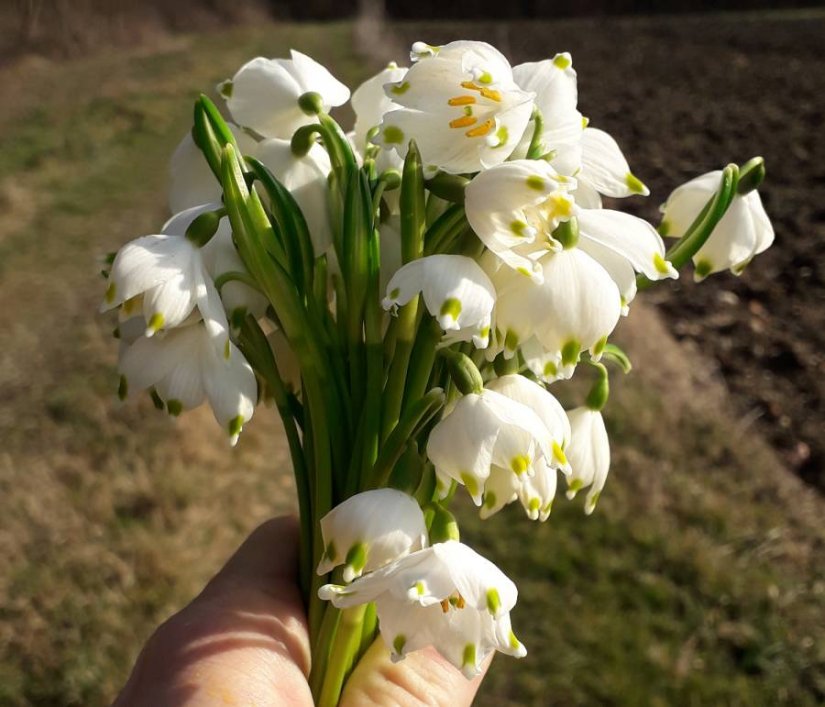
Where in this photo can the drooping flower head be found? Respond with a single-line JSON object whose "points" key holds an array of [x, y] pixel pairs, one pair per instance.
{"points": [[461, 106], [447, 596], [263, 94], [369, 530], [744, 232]]}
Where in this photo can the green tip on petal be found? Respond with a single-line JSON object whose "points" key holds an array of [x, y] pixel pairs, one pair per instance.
{"points": [[511, 340], [703, 268], [536, 182], [400, 88], [493, 601], [489, 499], [122, 388], [570, 353], [157, 401], [357, 557], [393, 135], [451, 308], [665, 228], [635, 184], [663, 267], [468, 658], [330, 551], [155, 323], [235, 426], [111, 292], [174, 407], [226, 88], [470, 483], [575, 485], [398, 643], [520, 463], [562, 61]]}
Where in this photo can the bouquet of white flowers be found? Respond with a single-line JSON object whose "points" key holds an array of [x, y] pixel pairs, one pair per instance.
{"points": [[404, 294]]}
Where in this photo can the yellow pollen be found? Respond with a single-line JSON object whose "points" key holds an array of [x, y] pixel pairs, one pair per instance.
{"points": [[492, 94], [462, 100], [470, 86], [463, 122], [481, 130], [445, 605]]}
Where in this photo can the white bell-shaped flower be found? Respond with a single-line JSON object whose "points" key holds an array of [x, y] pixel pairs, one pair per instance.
{"points": [[514, 209], [555, 85], [484, 431], [744, 231], [461, 106], [456, 291], [219, 257], [575, 307], [370, 530], [370, 102], [183, 367], [589, 455], [263, 95], [170, 273], [447, 596], [191, 182]]}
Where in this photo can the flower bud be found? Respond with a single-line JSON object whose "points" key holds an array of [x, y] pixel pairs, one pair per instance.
{"points": [[311, 103], [443, 526], [204, 226], [463, 371]]}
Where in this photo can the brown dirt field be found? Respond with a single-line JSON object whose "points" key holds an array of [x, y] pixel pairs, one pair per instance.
{"points": [[688, 95]]}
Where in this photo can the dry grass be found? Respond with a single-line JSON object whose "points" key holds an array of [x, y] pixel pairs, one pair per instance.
{"points": [[696, 581]]}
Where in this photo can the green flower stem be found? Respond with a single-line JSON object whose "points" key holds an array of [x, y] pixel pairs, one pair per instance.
{"points": [[236, 276], [600, 391], [699, 232], [445, 230], [536, 148], [321, 649], [345, 647], [256, 349], [369, 628], [422, 359], [409, 425], [413, 221]]}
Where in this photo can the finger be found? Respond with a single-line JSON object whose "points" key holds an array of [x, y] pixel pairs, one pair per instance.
{"points": [[243, 640], [423, 678]]}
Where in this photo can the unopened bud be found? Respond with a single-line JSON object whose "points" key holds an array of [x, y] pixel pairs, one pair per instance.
{"points": [[449, 187], [463, 371], [303, 139]]}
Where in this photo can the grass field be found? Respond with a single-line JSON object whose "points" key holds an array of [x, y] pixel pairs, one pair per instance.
{"points": [[699, 580]]}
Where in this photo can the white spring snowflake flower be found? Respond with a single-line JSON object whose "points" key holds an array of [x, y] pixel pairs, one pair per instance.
{"points": [[460, 104], [744, 231], [515, 207], [370, 530], [485, 443], [263, 94], [170, 274], [589, 455], [219, 257], [184, 368], [571, 147], [456, 291], [446, 596]]}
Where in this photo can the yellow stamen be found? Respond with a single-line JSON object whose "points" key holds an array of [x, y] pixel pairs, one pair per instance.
{"points": [[460, 603], [462, 100], [492, 94], [445, 605], [481, 130], [463, 122], [470, 85]]}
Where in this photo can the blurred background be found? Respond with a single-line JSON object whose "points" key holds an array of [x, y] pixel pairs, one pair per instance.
{"points": [[699, 580]]}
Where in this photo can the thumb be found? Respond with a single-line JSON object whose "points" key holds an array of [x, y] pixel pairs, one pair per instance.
{"points": [[423, 677]]}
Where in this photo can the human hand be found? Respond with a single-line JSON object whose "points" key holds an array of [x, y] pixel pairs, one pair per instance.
{"points": [[243, 641]]}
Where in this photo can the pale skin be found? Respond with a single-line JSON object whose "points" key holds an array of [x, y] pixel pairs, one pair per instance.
{"points": [[243, 642]]}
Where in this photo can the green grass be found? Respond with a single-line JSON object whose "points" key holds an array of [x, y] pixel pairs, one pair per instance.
{"points": [[695, 582]]}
